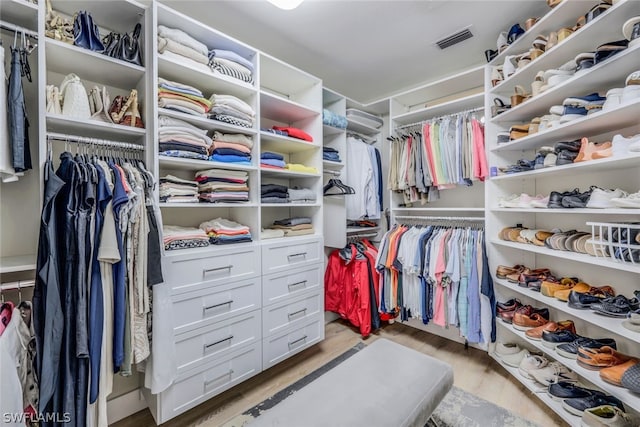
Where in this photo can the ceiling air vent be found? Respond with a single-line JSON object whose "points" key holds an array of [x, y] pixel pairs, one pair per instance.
{"points": [[454, 38]]}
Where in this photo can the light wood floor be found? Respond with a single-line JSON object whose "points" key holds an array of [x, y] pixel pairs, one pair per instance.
{"points": [[474, 371]]}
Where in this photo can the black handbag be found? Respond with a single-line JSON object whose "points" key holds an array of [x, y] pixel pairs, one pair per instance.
{"points": [[128, 47], [110, 42], [86, 33]]}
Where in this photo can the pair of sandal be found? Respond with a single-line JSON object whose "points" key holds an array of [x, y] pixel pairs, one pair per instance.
{"points": [[57, 27]]}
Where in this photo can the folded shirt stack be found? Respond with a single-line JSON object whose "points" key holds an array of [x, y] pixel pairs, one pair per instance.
{"points": [[272, 160], [231, 64], [232, 110], [330, 154], [294, 133], [176, 190], [330, 118], [274, 193], [177, 44], [231, 148], [183, 98], [223, 186], [223, 231], [176, 237], [300, 168], [177, 138], [291, 227], [301, 195]]}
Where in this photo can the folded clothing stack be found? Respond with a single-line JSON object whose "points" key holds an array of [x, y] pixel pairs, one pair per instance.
{"points": [[175, 190], [232, 110], [176, 237], [330, 154], [274, 193], [291, 227], [272, 160], [231, 64], [177, 138], [293, 133], [301, 195], [223, 231], [231, 148], [300, 168], [222, 186], [179, 45], [181, 97], [330, 118]]}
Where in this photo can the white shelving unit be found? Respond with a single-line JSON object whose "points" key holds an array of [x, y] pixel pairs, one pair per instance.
{"points": [[620, 172], [17, 263]]}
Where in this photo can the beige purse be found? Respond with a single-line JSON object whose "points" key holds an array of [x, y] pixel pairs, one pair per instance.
{"points": [[53, 100], [99, 103]]}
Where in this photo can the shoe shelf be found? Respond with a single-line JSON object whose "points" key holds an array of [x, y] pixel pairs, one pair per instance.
{"points": [[603, 29], [64, 58], [285, 173], [605, 164], [627, 397], [279, 143], [208, 205], [602, 121], [572, 256], [93, 128], [328, 164], [203, 78], [13, 264], [177, 163], [596, 78], [555, 405], [205, 123], [564, 14], [21, 13], [620, 211], [331, 130], [460, 104], [610, 324], [282, 110]]}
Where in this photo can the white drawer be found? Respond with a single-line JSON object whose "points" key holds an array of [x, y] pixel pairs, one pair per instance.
{"points": [[283, 255], [182, 272], [286, 315], [283, 345], [206, 306], [200, 385], [201, 345], [280, 286]]}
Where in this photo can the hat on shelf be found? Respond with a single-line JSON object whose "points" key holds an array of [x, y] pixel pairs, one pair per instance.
{"points": [[631, 30]]}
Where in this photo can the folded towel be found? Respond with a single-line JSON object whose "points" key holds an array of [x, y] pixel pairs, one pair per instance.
{"points": [[166, 121], [171, 85], [219, 224], [183, 38], [233, 102], [268, 233], [182, 105], [231, 56], [166, 44]]}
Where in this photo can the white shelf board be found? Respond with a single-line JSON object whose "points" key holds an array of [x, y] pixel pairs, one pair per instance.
{"points": [[555, 405], [285, 144], [570, 211], [610, 324], [283, 110], [12, 264], [64, 58], [573, 256], [177, 163], [328, 164], [627, 397], [93, 128], [21, 13], [451, 209], [606, 164], [358, 230], [454, 106], [205, 123], [279, 240], [277, 75], [204, 79], [604, 28], [356, 126], [208, 205], [285, 173], [602, 121], [331, 130], [290, 205]]}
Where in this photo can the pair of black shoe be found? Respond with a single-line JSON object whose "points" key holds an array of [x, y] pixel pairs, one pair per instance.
{"points": [[566, 152], [576, 399], [569, 199]]}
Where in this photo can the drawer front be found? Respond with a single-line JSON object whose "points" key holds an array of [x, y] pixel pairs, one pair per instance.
{"points": [[280, 286], [217, 266], [283, 345], [206, 306], [200, 385], [202, 345], [281, 256], [289, 314]]}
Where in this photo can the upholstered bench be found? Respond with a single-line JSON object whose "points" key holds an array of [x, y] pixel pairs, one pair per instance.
{"points": [[384, 384]]}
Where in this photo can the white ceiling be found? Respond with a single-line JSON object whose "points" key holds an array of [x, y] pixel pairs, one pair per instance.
{"points": [[367, 50]]}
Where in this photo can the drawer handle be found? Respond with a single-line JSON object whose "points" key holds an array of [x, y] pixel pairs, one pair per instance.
{"points": [[293, 343], [207, 346], [211, 270], [293, 285], [295, 313], [302, 254], [211, 307], [209, 382]]}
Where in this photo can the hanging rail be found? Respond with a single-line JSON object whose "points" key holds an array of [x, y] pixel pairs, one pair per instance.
{"points": [[471, 110], [93, 141], [12, 27], [20, 284]]}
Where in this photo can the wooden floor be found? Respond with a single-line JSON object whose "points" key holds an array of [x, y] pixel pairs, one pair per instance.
{"points": [[474, 371]]}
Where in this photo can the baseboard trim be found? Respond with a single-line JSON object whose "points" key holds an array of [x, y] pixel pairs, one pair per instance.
{"points": [[126, 405]]}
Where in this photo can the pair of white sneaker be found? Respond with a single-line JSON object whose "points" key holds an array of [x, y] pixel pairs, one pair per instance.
{"points": [[622, 146], [533, 366]]}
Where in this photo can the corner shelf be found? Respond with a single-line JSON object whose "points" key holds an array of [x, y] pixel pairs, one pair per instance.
{"points": [[13, 264]]}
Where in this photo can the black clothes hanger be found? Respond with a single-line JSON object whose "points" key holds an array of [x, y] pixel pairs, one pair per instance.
{"points": [[339, 186]]}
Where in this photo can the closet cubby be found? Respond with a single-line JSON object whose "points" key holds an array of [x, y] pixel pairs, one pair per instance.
{"points": [[21, 13], [606, 173]]}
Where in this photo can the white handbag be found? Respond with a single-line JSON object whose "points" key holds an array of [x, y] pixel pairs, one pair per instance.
{"points": [[53, 100], [75, 102], [99, 102]]}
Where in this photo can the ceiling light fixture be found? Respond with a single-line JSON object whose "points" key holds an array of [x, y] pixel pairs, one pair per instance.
{"points": [[286, 4]]}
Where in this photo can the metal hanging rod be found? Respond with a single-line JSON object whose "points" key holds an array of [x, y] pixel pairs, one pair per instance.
{"points": [[362, 137], [12, 27], [20, 284], [93, 141], [472, 110], [331, 172], [441, 218]]}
